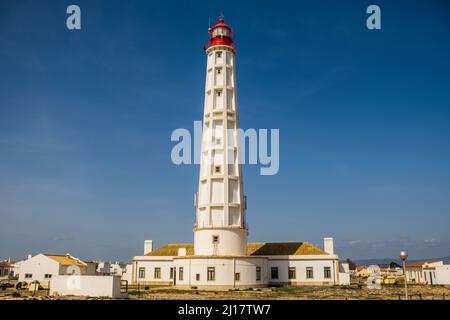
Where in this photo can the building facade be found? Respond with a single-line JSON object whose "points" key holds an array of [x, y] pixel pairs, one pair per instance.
{"points": [[43, 267], [275, 264], [221, 256]]}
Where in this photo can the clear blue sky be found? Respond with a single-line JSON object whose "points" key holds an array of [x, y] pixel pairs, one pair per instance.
{"points": [[86, 118]]}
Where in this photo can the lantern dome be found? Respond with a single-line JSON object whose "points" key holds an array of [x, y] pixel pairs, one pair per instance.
{"points": [[220, 34]]}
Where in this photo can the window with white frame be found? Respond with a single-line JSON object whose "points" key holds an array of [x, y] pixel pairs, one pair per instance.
{"points": [[327, 272], [141, 274], [157, 273], [309, 273]]}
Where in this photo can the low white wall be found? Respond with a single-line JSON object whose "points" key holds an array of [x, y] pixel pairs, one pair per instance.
{"points": [[344, 278], [443, 274], [90, 286]]}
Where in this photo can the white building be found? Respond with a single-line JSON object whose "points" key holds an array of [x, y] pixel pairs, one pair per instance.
{"points": [[42, 267], [117, 268], [6, 269], [103, 267], [423, 272], [294, 263], [220, 256]]}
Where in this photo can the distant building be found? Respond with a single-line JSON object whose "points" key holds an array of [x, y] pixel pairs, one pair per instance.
{"points": [[6, 269], [16, 268], [43, 267], [363, 271], [422, 272], [103, 267], [108, 268], [117, 269]]}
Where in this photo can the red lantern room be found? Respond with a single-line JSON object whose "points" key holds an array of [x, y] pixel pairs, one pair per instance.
{"points": [[220, 35]]}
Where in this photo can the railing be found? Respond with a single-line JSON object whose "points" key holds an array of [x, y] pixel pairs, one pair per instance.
{"points": [[222, 226]]}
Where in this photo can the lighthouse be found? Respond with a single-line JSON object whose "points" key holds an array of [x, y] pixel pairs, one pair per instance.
{"points": [[220, 227], [220, 257]]}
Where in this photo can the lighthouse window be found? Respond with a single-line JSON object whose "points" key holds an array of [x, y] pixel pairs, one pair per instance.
{"points": [[197, 276], [219, 54], [217, 169], [215, 239], [211, 273], [219, 70], [219, 93]]}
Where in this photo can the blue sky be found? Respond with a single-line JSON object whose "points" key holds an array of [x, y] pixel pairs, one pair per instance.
{"points": [[86, 118]]}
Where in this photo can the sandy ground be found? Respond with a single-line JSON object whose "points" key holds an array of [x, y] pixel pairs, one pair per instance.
{"points": [[352, 292]]}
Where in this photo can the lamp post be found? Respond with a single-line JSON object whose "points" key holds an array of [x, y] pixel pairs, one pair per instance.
{"points": [[404, 256]]}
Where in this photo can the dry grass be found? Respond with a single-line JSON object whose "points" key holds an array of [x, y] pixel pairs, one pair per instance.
{"points": [[352, 292]]}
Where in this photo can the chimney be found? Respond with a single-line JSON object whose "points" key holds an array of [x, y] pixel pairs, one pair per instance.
{"points": [[148, 246], [29, 256], [328, 245]]}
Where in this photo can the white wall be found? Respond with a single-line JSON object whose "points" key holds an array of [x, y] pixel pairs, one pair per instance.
{"points": [[89, 286], [38, 266], [149, 264], [225, 270], [231, 242], [344, 278], [128, 273], [300, 264], [443, 274]]}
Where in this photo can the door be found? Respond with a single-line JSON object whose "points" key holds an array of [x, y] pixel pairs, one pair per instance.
{"points": [[174, 276]]}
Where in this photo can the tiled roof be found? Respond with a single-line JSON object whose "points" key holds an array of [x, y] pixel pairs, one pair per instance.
{"points": [[359, 268], [171, 249], [420, 264], [66, 260], [253, 249], [415, 265], [282, 248]]}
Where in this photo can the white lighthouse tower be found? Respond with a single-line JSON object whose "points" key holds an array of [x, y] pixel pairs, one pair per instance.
{"points": [[220, 228], [220, 257]]}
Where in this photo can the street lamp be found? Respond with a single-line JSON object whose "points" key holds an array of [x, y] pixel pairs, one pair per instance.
{"points": [[404, 256]]}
